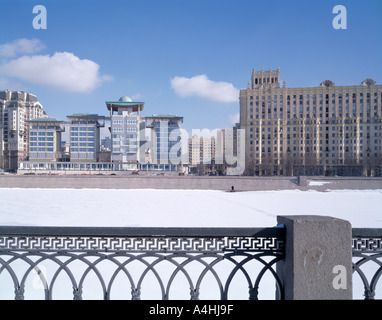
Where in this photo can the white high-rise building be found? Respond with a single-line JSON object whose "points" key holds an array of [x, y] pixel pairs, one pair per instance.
{"points": [[126, 124]]}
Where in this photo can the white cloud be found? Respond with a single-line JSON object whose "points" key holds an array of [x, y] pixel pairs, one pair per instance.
{"points": [[21, 47], [62, 70], [234, 118], [201, 86]]}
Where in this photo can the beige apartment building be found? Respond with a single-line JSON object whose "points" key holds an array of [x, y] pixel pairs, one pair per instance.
{"points": [[201, 151], [323, 130], [216, 153], [16, 107]]}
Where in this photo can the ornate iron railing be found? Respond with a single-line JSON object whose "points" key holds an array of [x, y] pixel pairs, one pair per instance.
{"points": [[140, 263], [367, 259]]}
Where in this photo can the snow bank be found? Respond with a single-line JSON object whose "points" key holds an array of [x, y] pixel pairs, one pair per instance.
{"points": [[318, 183]]}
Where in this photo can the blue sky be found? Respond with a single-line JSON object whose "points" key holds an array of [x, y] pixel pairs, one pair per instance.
{"points": [[184, 57]]}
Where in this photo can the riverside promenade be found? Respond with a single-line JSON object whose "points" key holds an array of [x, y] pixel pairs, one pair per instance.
{"points": [[225, 183]]}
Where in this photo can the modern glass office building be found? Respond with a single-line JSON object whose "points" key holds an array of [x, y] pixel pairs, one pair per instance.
{"points": [[165, 142], [126, 125], [85, 136], [45, 139], [137, 143]]}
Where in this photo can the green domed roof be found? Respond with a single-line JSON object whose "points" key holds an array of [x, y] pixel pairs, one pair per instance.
{"points": [[125, 99]]}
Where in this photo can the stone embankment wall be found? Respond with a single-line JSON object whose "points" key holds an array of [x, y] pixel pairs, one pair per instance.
{"points": [[188, 182]]}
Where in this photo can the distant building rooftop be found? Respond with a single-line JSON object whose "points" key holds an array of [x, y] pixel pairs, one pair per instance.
{"points": [[125, 101], [164, 117], [86, 115], [45, 120], [93, 117]]}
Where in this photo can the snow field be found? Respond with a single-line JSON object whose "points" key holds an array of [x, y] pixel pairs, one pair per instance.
{"points": [[173, 208]]}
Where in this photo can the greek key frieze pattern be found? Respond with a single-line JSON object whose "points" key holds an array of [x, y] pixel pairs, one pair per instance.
{"points": [[137, 244], [367, 244], [255, 244]]}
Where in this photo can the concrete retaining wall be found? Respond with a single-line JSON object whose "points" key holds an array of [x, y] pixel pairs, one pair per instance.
{"points": [[188, 182]]}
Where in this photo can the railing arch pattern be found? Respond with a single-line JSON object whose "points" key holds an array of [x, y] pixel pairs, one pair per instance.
{"points": [[25, 251], [367, 259], [221, 254]]}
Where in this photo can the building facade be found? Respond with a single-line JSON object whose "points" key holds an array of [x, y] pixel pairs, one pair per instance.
{"points": [[165, 150], [16, 107], [125, 129], [323, 130], [85, 136], [45, 139], [131, 146], [201, 151]]}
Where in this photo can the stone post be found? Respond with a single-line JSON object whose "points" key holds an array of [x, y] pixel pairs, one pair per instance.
{"points": [[318, 261], [303, 181]]}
